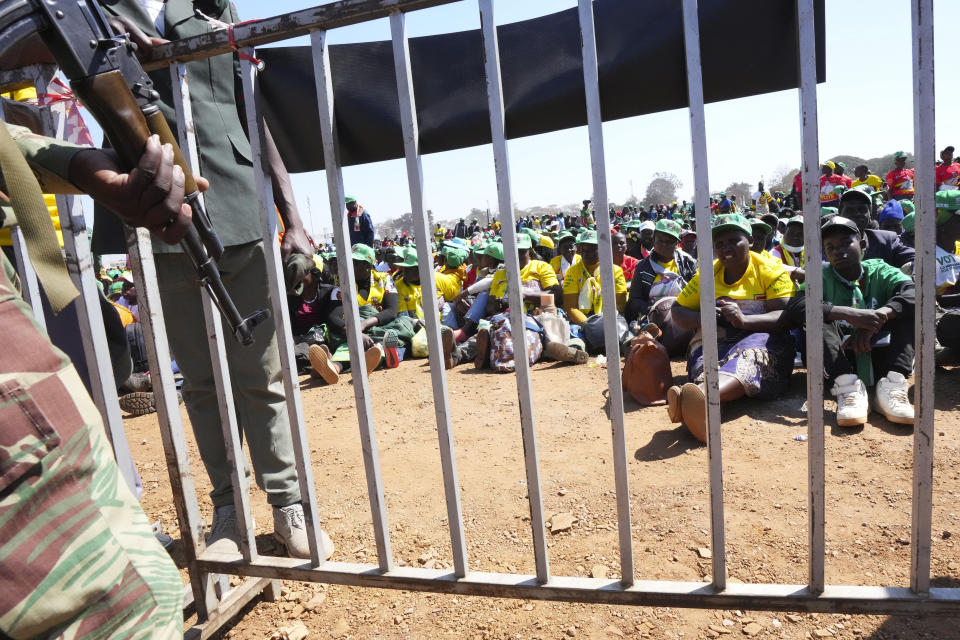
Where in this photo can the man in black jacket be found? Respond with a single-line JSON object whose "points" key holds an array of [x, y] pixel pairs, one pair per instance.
{"points": [[857, 205]]}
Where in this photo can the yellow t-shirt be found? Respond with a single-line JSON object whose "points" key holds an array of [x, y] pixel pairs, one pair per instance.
{"points": [[380, 283], [763, 280], [579, 274], [534, 270], [871, 181], [410, 298], [448, 285], [557, 262]]}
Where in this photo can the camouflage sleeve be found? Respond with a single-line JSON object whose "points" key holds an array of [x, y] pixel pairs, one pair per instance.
{"points": [[49, 158]]}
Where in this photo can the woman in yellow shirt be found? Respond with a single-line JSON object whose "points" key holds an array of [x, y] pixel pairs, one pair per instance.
{"points": [[752, 362], [581, 283], [567, 255], [536, 276]]}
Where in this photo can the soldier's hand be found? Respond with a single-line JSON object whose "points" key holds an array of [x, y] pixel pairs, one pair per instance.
{"points": [[150, 195]]}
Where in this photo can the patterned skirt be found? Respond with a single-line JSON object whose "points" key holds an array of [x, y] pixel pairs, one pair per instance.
{"points": [[762, 362]]}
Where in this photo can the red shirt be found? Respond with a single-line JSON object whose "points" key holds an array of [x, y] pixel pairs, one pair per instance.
{"points": [[948, 176], [798, 182], [847, 181], [628, 265], [900, 182], [827, 184]]}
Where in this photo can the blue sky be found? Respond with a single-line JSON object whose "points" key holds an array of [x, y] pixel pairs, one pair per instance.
{"points": [[865, 109]]}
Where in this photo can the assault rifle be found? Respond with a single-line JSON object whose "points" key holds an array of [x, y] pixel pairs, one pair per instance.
{"points": [[108, 79]]}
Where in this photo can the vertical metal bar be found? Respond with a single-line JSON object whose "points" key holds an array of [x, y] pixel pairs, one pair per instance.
{"points": [[708, 319], [281, 314], [29, 285], [807, 55], [361, 385], [212, 321], [591, 83], [438, 375], [508, 230], [73, 226], [168, 413], [925, 273]]}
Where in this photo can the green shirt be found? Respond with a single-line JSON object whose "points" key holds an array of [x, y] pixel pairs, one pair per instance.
{"points": [[878, 284]]}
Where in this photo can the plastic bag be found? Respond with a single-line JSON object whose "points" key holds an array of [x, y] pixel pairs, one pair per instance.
{"points": [[419, 344]]}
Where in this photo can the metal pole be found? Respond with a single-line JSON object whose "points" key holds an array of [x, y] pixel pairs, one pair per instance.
{"points": [[925, 274], [438, 376], [348, 286], [591, 83], [708, 319], [508, 229], [807, 55]]}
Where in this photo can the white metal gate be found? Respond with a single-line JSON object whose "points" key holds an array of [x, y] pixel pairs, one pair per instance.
{"points": [[815, 595]]}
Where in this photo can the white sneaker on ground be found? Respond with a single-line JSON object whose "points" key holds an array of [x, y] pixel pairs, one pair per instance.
{"points": [[892, 400], [290, 530], [853, 405], [223, 536]]}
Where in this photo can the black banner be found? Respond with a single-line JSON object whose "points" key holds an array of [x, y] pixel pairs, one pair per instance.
{"points": [[748, 47]]}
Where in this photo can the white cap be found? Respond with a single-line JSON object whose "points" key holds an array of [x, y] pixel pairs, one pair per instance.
{"points": [[648, 225]]}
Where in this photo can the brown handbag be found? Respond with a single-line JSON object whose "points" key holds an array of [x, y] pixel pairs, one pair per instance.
{"points": [[646, 372]]}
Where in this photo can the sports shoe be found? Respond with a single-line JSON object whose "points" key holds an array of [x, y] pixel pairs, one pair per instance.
{"points": [[390, 342], [853, 405], [693, 406], [223, 536], [320, 361], [290, 530], [483, 349], [892, 400], [447, 340], [138, 403], [372, 357], [673, 404], [563, 353]]}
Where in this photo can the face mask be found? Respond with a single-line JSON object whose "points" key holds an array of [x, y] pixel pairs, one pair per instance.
{"points": [[787, 247]]}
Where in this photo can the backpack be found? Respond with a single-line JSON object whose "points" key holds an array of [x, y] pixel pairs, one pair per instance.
{"points": [[646, 372]]}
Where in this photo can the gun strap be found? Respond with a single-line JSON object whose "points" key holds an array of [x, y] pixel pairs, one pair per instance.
{"points": [[35, 224]]}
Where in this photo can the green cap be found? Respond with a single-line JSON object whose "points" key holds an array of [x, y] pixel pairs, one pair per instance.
{"points": [[908, 220], [564, 235], [828, 211], [732, 221], [495, 251], [899, 154], [757, 222], [669, 227], [116, 287], [632, 224], [453, 256], [407, 257], [908, 206], [588, 236], [363, 253], [523, 242], [842, 165], [349, 199], [533, 235], [948, 205]]}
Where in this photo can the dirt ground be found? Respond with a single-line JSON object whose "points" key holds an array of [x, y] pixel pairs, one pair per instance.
{"points": [[868, 508]]}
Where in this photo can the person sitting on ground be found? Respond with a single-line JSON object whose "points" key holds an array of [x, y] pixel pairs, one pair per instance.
{"points": [[760, 238], [688, 242], [948, 274], [620, 257], [753, 362], [567, 255], [378, 304], [790, 250], [891, 217], [582, 297], [657, 281], [868, 330], [460, 345], [857, 205]]}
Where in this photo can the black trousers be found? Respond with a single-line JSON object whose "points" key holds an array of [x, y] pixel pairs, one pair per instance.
{"points": [[898, 356], [948, 330]]}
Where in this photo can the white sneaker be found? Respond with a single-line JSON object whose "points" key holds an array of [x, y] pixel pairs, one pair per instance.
{"points": [[223, 536], [892, 398], [290, 530], [853, 405]]}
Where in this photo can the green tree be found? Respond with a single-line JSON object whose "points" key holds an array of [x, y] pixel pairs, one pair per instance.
{"points": [[663, 189]]}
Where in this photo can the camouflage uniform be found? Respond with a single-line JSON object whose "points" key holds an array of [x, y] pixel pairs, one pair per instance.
{"points": [[77, 555]]}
